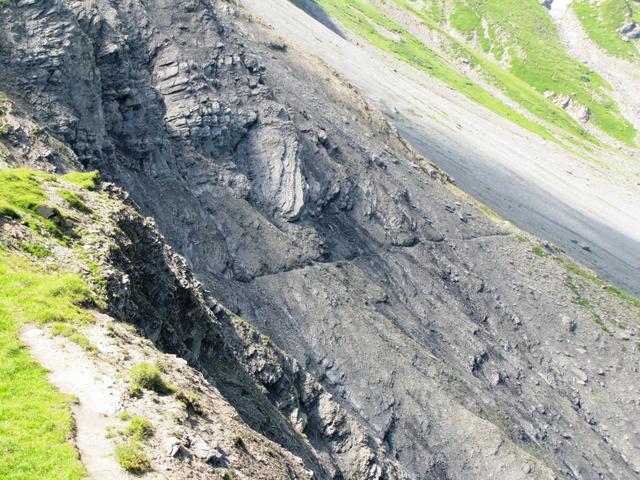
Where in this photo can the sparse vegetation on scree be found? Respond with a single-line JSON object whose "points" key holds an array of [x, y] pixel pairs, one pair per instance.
{"points": [[35, 419], [512, 43], [145, 376], [130, 454]]}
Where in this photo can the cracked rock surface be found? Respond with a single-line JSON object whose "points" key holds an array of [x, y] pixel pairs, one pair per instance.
{"points": [[422, 339]]}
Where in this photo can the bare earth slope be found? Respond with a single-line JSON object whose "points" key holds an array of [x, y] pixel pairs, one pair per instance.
{"points": [[440, 339], [534, 183]]}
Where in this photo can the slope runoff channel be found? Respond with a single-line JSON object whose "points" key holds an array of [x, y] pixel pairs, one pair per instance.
{"points": [[590, 212]]}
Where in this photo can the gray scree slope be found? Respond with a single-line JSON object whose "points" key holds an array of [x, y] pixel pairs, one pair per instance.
{"points": [[533, 182], [439, 331]]}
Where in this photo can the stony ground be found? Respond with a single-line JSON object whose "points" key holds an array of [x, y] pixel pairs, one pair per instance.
{"points": [[208, 441]]}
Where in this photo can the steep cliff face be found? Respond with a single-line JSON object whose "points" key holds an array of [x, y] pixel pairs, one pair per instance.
{"points": [[223, 381], [420, 328]]}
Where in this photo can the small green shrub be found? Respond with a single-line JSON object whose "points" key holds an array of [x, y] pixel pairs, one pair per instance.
{"points": [[133, 458], [139, 428], [124, 416], [145, 376], [539, 251], [5, 128], [37, 130], [190, 399]]}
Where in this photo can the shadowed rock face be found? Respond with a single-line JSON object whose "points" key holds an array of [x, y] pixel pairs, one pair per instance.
{"points": [[439, 332]]}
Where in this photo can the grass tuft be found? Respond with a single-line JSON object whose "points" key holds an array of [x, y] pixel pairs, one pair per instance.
{"points": [[598, 321], [133, 458], [140, 428], [145, 376], [539, 251], [190, 400]]}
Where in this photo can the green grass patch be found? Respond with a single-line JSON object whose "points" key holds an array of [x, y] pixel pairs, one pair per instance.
{"points": [[362, 19], [5, 128], [583, 302], [146, 376], [581, 272], [133, 458], [74, 200], [190, 400], [571, 285], [35, 249], [521, 35], [88, 180], [539, 251], [571, 267], [71, 332], [489, 213], [21, 190], [140, 428], [21, 194], [602, 22], [124, 416], [622, 295], [35, 419]]}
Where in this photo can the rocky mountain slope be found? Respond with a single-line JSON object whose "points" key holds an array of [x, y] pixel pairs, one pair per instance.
{"points": [[452, 101], [425, 337], [208, 412]]}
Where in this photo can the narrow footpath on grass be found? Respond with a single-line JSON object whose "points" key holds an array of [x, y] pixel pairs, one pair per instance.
{"points": [[74, 373]]}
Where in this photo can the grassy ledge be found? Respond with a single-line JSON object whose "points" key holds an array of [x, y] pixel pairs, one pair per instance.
{"points": [[363, 18], [602, 22], [35, 419], [512, 43], [521, 34]]}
